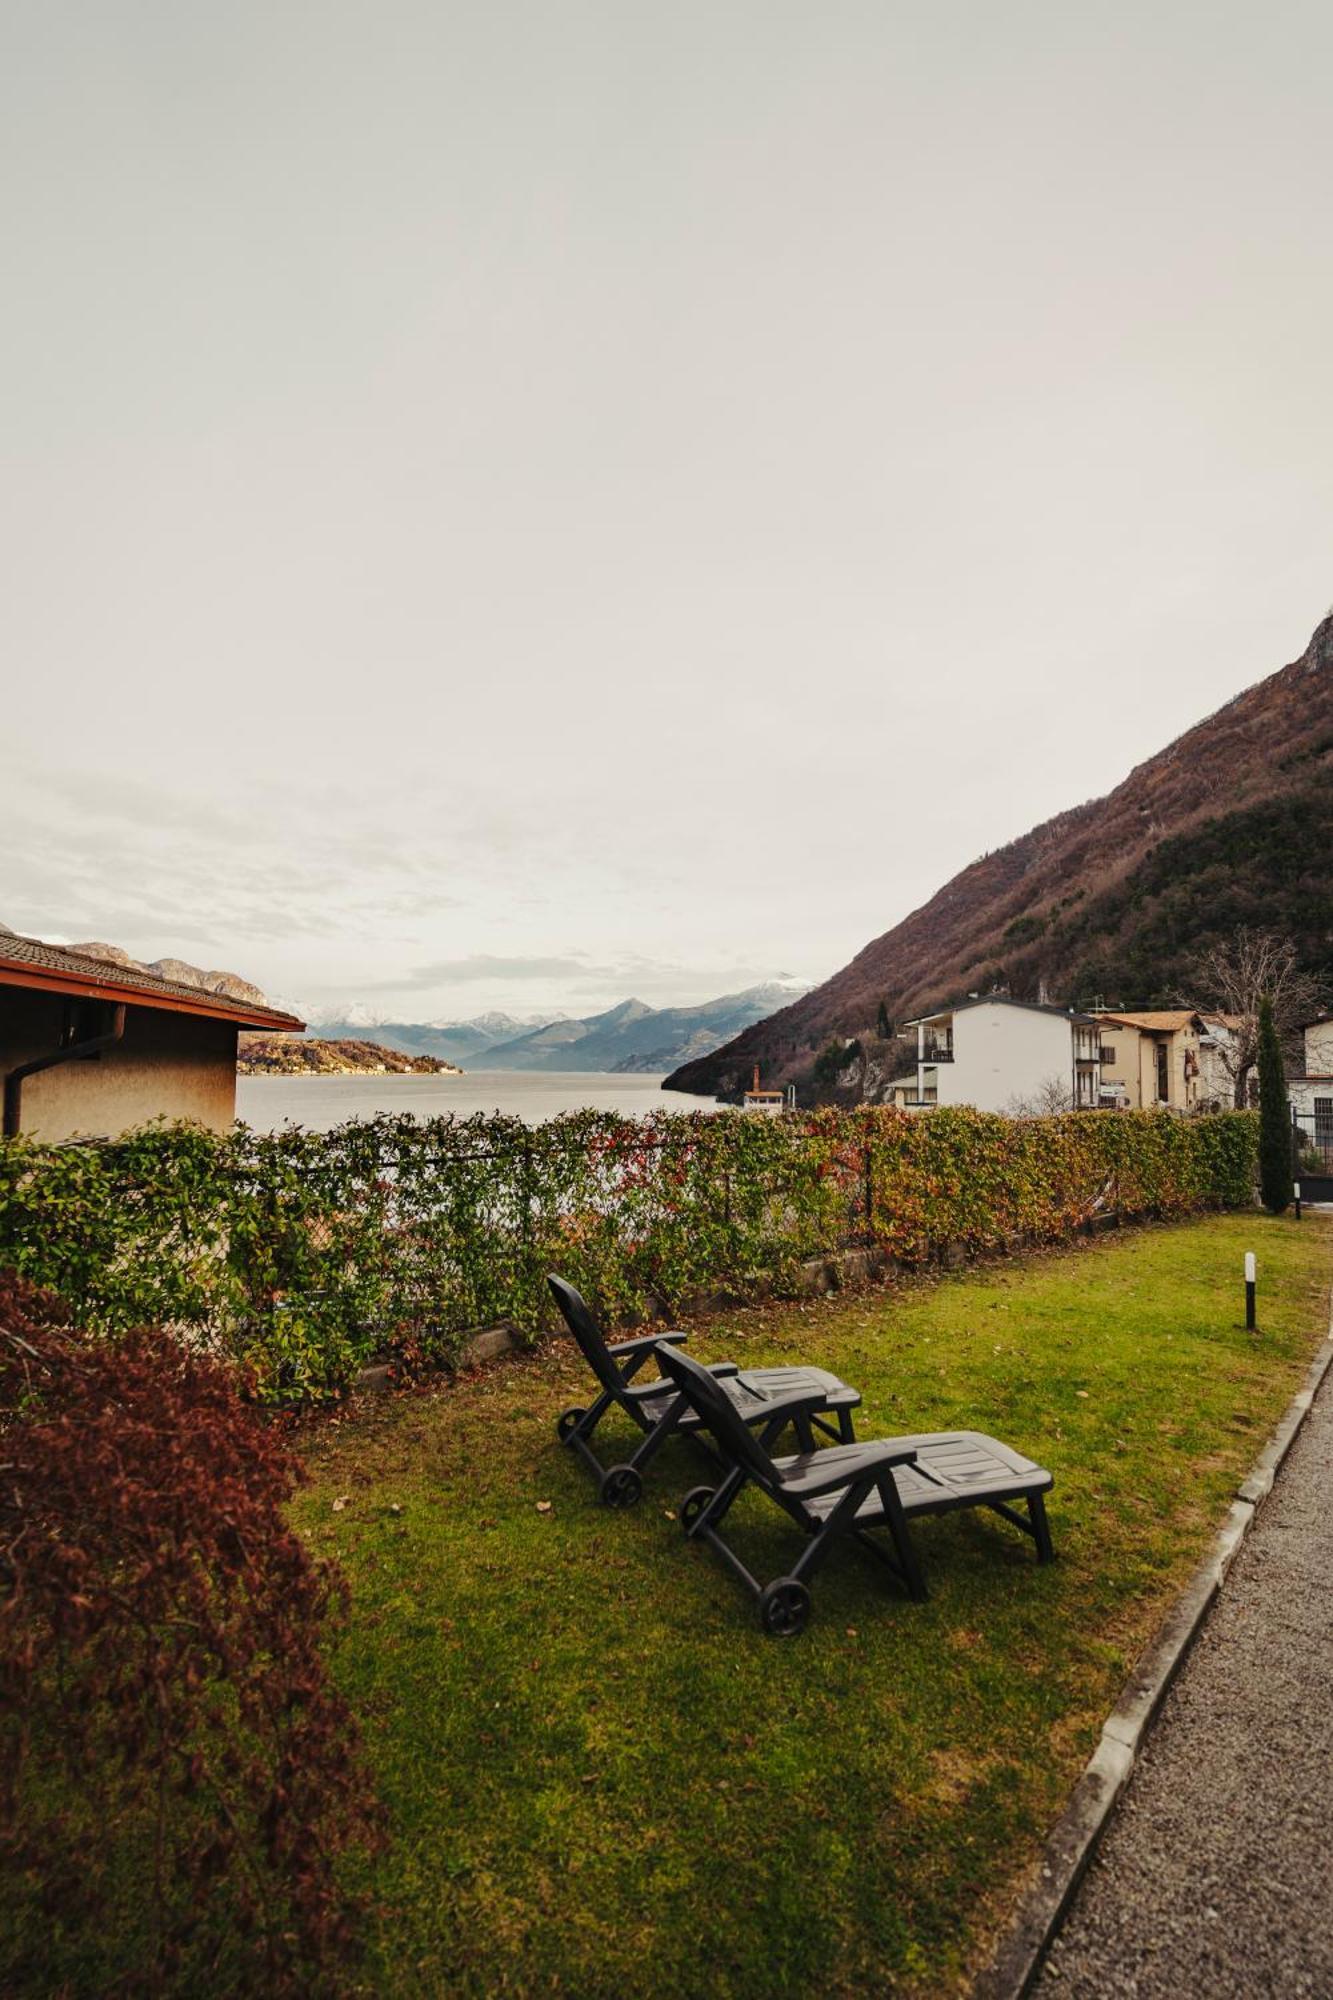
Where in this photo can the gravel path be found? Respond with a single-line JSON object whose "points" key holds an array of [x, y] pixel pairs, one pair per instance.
{"points": [[1215, 1877]]}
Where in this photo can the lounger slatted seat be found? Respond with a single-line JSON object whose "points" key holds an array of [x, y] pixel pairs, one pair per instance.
{"points": [[952, 1469], [852, 1489], [808, 1398]]}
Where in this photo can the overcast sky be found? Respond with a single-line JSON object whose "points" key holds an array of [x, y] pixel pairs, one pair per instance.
{"points": [[522, 504]]}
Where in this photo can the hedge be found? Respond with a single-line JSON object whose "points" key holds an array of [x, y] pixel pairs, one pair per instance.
{"points": [[307, 1254]]}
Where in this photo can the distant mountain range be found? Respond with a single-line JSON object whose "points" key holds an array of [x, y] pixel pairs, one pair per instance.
{"points": [[457, 1042], [1226, 827], [630, 1037]]}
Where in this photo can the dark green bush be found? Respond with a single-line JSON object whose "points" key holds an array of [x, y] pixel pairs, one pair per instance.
{"points": [[1275, 1175]]}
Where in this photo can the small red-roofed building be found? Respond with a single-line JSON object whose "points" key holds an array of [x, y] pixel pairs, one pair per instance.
{"points": [[92, 1046]]}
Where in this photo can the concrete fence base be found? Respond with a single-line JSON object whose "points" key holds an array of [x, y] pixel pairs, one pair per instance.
{"points": [[815, 1277]]}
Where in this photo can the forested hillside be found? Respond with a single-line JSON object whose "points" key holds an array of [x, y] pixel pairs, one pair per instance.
{"points": [[1229, 825]]}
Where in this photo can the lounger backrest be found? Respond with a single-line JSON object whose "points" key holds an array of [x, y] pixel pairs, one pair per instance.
{"points": [[587, 1333], [718, 1412]]}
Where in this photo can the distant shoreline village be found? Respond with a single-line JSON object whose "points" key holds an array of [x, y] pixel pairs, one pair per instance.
{"points": [[281, 1055]]}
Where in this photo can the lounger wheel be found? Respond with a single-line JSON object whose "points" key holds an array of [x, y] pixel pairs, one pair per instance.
{"points": [[784, 1607], [568, 1421], [693, 1505], [621, 1487]]}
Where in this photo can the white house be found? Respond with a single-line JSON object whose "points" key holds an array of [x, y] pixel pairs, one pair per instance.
{"points": [[773, 1102], [1319, 1046], [1000, 1054], [1217, 1059], [1312, 1094]]}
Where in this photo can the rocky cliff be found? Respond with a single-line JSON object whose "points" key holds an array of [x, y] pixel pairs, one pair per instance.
{"points": [[227, 983]]}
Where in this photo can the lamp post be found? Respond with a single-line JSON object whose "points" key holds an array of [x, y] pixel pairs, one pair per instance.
{"points": [[1249, 1291]]}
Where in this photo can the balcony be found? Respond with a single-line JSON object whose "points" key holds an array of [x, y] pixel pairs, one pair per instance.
{"points": [[937, 1052]]}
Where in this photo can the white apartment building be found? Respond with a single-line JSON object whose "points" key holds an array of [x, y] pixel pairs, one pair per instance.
{"points": [[1006, 1055]]}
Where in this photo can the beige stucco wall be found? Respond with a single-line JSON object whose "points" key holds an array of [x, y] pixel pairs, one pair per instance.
{"points": [[1124, 1072], [1134, 1069], [167, 1066]]}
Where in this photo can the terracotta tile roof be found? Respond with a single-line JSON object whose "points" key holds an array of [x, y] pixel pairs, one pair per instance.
{"points": [[32, 963], [1165, 1021]]}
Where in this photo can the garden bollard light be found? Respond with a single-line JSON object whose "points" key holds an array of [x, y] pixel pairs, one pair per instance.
{"points": [[1249, 1291], [1296, 1190]]}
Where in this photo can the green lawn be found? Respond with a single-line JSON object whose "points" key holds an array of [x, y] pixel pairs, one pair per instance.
{"points": [[604, 1780]]}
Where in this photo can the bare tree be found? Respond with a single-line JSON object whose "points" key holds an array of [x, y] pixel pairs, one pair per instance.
{"points": [[1233, 977], [1051, 1096]]}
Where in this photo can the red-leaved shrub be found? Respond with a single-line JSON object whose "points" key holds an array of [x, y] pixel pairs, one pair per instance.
{"points": [[178, 1777]]}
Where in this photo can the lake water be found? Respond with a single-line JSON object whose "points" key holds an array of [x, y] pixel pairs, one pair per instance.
{"points": [[321, 1102]]}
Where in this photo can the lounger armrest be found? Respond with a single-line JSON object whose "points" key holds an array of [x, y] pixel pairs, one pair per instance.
{"points": [[791, 1401], [643, 1340], [662, 1385], [721, 1369], [875, 1459], [776, 1411]]}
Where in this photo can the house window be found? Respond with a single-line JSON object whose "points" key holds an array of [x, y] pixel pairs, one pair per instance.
{"points": [[1106, 1054], [1323, 1123]]}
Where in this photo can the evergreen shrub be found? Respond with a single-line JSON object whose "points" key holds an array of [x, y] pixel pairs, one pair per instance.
{"points": [[307, 1254], [1275, 1140]]}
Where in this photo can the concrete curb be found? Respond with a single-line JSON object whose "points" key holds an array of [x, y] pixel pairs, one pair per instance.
{"points": [[489, 1343], [1074, 1837]]}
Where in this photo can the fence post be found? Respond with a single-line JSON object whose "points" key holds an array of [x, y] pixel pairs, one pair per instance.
{"points": [[531, 1280]]}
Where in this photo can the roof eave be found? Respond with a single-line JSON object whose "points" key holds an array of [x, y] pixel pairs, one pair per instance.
{"points": [[78, 986], [1004, 1000]]}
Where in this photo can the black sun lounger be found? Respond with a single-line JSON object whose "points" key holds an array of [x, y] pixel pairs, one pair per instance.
{"points": [[851, 1489], [808, 1396]]}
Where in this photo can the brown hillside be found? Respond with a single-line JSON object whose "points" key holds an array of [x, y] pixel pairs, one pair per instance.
{"points": [[1229, 823]]}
